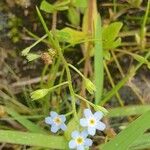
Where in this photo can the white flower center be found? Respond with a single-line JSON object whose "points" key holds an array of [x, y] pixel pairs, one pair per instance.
{"points": [[57, 120], [79, 140], [92, 122]]}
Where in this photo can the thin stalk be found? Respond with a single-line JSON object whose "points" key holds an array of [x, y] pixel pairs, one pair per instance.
{"points": [[75, 69], [143, 30], [117, 63], [69, 79], [112, 84], [56, 86], [43, 74]]}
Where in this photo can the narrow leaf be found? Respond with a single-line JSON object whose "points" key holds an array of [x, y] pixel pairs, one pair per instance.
{"points": [[125, 138], [98, 60], [143, 142], [33, 139], [47, 7], [128, 110], [25, 122]]}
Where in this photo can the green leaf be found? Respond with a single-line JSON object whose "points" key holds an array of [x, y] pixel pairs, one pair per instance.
{"points": [[62, 8], [62, 3], [126, 138], [98, 60], [106, 54], [109, 35], [33, 139], [74, 16], [25, 122], [81, 3], [142, 143], [70, 35], [110, 32], [128, 110], [116, 43], [38, 94], [32, 56], [47, 7], [51, 8]]}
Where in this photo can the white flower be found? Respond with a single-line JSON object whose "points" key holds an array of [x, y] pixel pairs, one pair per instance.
{"points": [[56, 121], [92, 121], [79, 140]]}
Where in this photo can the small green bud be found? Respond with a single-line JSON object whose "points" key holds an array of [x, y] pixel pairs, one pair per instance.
{"points": [[32, 56], [26, 51], [39, 94], [100, 108], [89, 86]]}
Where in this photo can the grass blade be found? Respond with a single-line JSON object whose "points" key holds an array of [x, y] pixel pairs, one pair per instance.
{"points": [[33, 139], [98, 60], [141, 143], [128, 111], [125, 138], [25, 122]]}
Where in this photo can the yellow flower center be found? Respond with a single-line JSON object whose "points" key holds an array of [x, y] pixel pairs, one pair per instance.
{"points": [[92, 122], [57, 120], [79, 140]]}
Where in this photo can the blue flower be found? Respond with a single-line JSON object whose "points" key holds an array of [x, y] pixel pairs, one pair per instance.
{"points": [[92, 121], [80, 140], [56, 121]]}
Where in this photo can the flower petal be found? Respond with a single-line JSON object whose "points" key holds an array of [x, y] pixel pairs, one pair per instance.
{"points": [[84, 134], [98, 115], [63, 127], [48, 120], [75, 134], [100, 126], [63, 118], [53, 114], [87, 113], [88, 142], [54, 128], [80, 147], [83, 122], [72, 144], [91, 130]]}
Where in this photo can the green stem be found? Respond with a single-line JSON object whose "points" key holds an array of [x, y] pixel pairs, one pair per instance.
{"points": [[69, 79], [69, 113], [96, 107], [112, 84], [56, 86], [42, 75], [75, 69], [143, 29], [85, 100]]}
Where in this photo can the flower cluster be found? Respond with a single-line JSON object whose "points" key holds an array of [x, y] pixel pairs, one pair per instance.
{"points": [[91, 122]]}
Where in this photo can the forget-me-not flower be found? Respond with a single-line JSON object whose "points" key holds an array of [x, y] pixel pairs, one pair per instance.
{"points": [[56, 121], [92, 121], [79, 140]]}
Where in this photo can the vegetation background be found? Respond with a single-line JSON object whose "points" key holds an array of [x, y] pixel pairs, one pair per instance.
{"points": [[109, 52]]}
